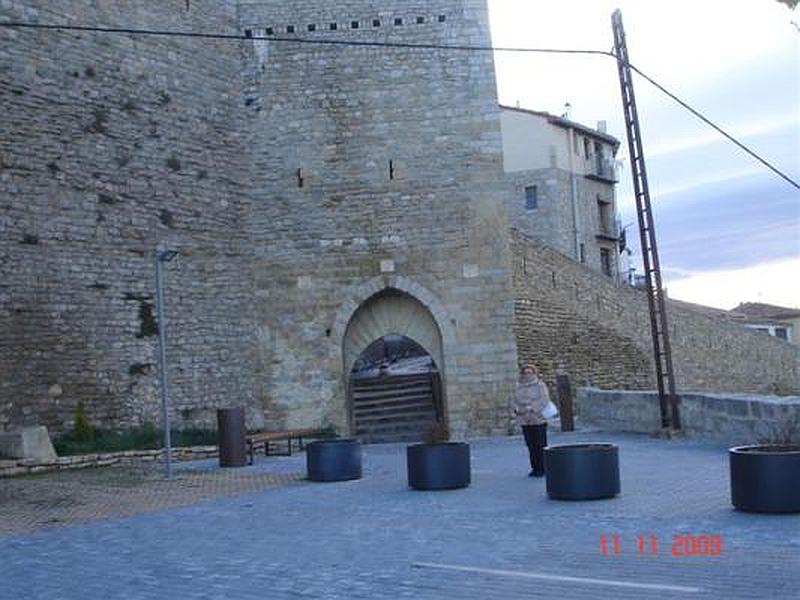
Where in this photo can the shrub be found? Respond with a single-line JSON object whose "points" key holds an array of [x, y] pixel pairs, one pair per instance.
{"points": [[437, 433], [83, 430], [144, 437]]}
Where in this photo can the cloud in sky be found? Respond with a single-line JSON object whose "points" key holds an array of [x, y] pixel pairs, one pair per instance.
{"points": [[753, 126], [726, 288], [716, 208]]}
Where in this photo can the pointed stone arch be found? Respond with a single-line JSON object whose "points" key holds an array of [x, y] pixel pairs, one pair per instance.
{"points": [[395, 306], [359, 294], [391, 312]]}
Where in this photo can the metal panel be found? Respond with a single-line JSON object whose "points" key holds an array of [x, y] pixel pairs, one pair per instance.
{"points": [[394, 408]]}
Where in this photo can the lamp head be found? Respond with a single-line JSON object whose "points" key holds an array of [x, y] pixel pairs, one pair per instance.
{"points": [[166, 255]]}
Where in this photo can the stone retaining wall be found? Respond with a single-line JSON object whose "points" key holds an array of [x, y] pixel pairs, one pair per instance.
{"points": [[735, 419], [29, 466]]}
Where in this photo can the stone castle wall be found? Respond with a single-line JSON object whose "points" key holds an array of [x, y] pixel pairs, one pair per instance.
{"points": [[110, 144], [600, 333], [117, 143]]}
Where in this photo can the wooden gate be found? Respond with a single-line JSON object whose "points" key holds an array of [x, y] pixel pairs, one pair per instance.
{"points": [[395, 408]]}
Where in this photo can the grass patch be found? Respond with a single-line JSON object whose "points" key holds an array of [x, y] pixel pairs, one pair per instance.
{"points": [[145, 437]]}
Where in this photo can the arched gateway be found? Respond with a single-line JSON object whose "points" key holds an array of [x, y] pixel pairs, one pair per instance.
{"points": [[393, 358]]}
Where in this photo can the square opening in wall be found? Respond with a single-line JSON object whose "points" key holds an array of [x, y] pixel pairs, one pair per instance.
{"points": [[270, 31], [442, 18], [248, 33], [290, 29], [420, 20], [376, 22], [333, 26], [354, 25], [312, 27], [398, 21]]}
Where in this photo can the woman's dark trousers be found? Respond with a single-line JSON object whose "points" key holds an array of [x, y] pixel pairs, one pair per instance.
{"points": [[536, 440]]}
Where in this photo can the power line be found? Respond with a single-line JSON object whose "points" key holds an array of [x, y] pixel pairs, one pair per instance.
{"points": [[298, 40], [400, 45], [713, 125]]}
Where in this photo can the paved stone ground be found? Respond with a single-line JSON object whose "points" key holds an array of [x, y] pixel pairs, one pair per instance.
{"points": [[68, 497], [374, 538]]}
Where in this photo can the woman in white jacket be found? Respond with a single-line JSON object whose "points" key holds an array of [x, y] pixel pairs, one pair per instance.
{"points": [[530, 399]]}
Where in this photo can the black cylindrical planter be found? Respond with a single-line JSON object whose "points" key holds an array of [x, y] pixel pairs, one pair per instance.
{"points": [[765, 478], [333, 460], [231, 437], [582, 471], [444, 466]]}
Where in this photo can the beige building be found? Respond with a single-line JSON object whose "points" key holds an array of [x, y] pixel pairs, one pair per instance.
{"points": [[778, 321], [561, 178]]}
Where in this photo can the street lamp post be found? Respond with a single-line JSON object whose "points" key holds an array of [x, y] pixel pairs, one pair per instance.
{"points": [[163, 256]]}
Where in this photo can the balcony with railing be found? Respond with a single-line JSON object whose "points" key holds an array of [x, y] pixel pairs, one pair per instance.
{"points": [[600, 168], [608, 226], [608, 232]]}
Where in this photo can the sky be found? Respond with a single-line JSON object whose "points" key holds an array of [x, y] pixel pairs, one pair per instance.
{"points": [[728, 229]]}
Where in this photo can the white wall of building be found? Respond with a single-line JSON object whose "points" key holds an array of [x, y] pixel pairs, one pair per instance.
{"points": [[530, 143]]}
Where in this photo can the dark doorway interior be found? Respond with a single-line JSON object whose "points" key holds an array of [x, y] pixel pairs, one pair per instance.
{"points": [[395, 391]]}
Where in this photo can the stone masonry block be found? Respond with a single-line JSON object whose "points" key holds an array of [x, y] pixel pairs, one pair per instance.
{"points": [[28, 443]]}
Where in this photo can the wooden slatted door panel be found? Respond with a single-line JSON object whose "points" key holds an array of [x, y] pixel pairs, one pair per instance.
{"points": [[394, 408]]}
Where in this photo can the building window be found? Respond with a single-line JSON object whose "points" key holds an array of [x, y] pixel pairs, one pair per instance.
{"points": [[605, 261], [531, 197], [603, 217], [586, 147], [583, 253], [576, 144], [782, 333]]}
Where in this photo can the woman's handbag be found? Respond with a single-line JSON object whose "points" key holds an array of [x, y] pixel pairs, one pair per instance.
{"points": [[550, 411]]}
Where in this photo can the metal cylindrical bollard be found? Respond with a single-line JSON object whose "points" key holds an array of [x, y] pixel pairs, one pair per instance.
{"points": [[582, 471], [231, 437], [565, 408], [334, 460]]}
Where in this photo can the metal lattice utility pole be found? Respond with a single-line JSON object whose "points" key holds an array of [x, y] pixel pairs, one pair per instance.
{"points": [[163, 256], [668, 400]]}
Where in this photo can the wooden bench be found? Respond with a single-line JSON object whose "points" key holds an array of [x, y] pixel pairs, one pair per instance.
{"points": [[289, 436]]}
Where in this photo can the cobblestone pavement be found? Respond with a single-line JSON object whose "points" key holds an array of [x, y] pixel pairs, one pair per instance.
{"points": [[68, 497], [374, 538]]}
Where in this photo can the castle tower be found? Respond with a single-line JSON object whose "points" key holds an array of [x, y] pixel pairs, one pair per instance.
{"points": [[373, 209]]}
